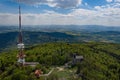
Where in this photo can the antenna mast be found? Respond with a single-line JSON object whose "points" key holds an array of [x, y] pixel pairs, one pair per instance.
{"points": [[21, 56]]}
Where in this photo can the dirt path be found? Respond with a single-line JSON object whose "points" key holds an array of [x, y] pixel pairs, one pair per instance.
{"points": [[48, 73], [60, 68]]}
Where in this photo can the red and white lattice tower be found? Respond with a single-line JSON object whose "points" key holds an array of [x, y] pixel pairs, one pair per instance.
{"points": [[21, 55]]}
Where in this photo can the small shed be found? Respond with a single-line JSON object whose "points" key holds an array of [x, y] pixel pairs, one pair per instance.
{"points": [[77, 59]]}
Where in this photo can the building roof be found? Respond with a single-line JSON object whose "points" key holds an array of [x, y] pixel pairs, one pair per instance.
{"points": [[79, 57]]}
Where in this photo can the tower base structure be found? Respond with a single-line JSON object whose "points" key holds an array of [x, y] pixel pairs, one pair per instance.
{"points": [[21, 61], [21, 56]]}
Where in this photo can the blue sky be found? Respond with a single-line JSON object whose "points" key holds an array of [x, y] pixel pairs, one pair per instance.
{"points": [[61, 12]]}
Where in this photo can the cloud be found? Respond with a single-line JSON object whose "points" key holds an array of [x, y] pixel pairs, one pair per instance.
{"points": [[113, 0], [109, 0], [108, 14], [54, 3], [117, 0], [68, 3], [102, 15], [8, 19]]}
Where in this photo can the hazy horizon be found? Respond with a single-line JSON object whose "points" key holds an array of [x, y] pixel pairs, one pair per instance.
{"points": [[61, 25]]}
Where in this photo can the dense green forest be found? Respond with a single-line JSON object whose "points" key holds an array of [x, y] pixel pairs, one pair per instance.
{"points": [[101, 61]]}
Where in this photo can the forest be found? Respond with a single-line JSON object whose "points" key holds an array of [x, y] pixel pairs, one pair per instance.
{"points": [[101, 61]]}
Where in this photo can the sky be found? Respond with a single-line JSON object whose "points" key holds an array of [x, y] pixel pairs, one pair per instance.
{"points": [[61, 12]]}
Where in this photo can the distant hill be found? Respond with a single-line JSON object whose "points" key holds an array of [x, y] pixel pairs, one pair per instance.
{"points": [[61, 28], [103, 36], [58, 33], [10, 39]]}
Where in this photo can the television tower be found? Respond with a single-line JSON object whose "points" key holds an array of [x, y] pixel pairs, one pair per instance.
{"points": [[21, 55]]}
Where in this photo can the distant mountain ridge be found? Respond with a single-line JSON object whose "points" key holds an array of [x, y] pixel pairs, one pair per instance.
{"points": [[71, 33], [10, 38], [60, 28]]}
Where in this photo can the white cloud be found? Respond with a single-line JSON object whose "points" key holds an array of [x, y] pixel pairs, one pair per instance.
{"points": [[109, 0], [101, 15], [117, 0], [54, 3], [8, 19], [97, 7], [86, 4]]}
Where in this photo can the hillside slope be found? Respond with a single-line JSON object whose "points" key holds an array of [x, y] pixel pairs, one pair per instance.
{"points": [[101, 61]]}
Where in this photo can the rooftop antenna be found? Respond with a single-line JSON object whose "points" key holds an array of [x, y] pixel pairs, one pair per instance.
{"points": [[21, 55]]}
